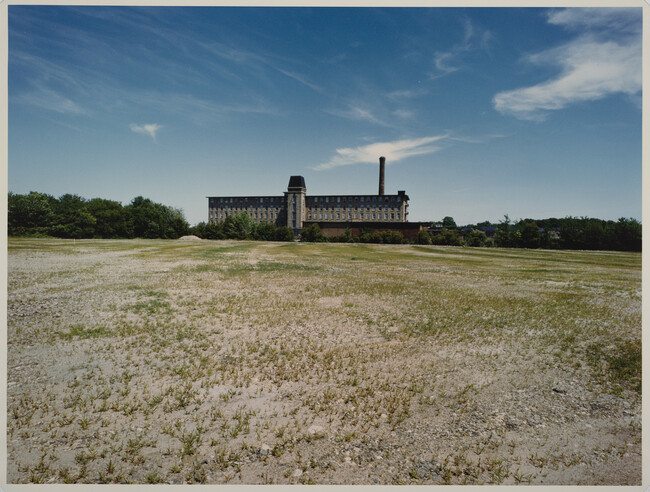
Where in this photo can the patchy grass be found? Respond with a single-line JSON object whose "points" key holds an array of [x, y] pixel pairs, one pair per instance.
{"points": [[152, 361]]}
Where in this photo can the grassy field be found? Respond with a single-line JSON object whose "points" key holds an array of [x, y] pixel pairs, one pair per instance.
{"points": [[144, 361]]}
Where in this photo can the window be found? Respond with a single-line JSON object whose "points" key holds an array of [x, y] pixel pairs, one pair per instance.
{"points": [[392, 216], [309, 216], [373, 216], [367, 216], [338, 216], [362, 199], [338, 199]]}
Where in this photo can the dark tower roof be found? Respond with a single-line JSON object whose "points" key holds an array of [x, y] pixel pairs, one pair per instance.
{"points": [[297, 182]]}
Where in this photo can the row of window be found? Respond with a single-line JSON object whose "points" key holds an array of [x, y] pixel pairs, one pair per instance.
{"points": [[262, 199], [253, 215], [347, 199], [314, 199], [352, 208], [339, 216], [246, 209], [219, 216]]}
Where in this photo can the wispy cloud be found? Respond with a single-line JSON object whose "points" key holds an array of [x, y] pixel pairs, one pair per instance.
{"points": [[450, 61], [594, 65], [358, 112], [147, 129], [619, 19], [394, 151], [50, 100], [303, 80]]}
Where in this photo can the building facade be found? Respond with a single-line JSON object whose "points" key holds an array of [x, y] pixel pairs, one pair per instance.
{"points": [[296, 209]]}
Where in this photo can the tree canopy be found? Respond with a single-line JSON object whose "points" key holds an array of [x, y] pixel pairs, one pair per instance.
{"points": [[71, 216]]}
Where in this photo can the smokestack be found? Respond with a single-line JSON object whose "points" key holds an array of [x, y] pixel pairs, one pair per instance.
{"points": [[382, 165]]}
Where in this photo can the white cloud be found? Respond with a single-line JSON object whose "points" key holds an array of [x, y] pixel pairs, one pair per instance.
{"points": [[148, 129], [393, 151], [592, 66], [50, 100], [302, 79], [450, 61], [619, 19], [357, 113]]}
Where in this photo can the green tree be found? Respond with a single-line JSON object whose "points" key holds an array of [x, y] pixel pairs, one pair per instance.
{"points": [[239, 226], [476, 238], [312, 234], [284, 233], [144, 219], [424, 237], [198, 230], [530, 237], [72, 218], [504, 237], [572, 233], [447, 238], [150, 220], [449, 223], [264, 231], [392, 237], [628, 234], [594, 234], [29, 214], [111, 220]]}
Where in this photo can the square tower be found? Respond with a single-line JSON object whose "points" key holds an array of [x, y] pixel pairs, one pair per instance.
{"points": [[295, 196]]}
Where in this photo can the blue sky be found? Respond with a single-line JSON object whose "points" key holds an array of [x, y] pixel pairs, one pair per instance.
{"points": [[480, 112]]}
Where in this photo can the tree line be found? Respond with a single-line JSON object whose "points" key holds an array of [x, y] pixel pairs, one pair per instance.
{"points": [[241, 226], [71, 216], [586, 233]]}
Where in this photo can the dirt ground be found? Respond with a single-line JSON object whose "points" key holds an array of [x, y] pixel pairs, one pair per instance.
{"points": [[233, 362]]}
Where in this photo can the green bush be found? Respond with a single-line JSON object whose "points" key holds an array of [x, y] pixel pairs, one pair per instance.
{"points": [[312, 234], [476, 238], [424, 237], [447, 238], [284, 233]]}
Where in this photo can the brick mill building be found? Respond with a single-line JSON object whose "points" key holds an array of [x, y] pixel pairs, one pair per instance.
{"points": [[333, 213]]}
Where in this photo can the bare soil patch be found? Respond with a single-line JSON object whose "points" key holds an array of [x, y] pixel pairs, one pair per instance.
{"points": [[237, 362]]}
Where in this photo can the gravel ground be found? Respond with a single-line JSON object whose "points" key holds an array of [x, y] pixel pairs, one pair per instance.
{"points": [[225, 362]]}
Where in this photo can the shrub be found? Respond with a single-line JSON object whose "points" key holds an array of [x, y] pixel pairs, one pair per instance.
{"points": [[284, 233], [424, 237], [312, 234], [476, 238]]}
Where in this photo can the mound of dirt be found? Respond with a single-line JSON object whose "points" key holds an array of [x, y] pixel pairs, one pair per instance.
{"points": [[190, 238]]}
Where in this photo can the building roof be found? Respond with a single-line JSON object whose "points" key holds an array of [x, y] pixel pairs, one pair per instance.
{"points": [[297, 182]]}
